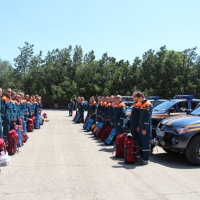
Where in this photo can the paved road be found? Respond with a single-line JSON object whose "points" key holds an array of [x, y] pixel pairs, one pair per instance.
{"points": [[61, 161]]}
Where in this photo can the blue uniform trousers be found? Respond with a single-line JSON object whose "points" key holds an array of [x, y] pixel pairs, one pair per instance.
{"points": [[6, 127], [145, 144]]}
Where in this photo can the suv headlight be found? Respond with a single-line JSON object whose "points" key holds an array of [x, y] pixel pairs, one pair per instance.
{"points": [[181, 130]]}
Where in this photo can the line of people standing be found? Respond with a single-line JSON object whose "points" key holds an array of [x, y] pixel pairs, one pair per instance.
{"points": [[14, 106], [112, 111]]}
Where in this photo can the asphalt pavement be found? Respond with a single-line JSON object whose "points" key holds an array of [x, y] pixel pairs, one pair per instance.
{"points": [[62, 161]]}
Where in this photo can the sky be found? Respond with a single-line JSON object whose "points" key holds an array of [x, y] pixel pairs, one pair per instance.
{"points": [[122, 28]]}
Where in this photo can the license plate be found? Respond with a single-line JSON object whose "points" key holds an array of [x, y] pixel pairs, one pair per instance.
{"points": [[160, 133]]}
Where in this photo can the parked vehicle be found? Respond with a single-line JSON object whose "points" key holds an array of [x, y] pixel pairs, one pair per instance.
{"points": [[181, 134]]}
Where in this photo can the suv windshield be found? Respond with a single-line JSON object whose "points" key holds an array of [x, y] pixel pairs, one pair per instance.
{"points": [[196, 111], [164, 106]]}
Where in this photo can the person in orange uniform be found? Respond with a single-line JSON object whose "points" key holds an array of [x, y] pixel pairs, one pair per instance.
{"points": [[81, 109], [106, 110], [7, 112], [119, 115], [93, 109], [145, 127], [134, 118], [1, 133]]}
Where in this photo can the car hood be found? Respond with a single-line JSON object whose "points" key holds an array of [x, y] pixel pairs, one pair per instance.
{"points": [[158, 112], [181, 121]]}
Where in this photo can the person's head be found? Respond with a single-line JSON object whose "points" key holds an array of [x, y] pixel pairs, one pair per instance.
{"points": [[8, 92], [13, 94], [107, 99], [119, 98], [1, 92], [102, 98], [98, 98], [92, 98], [111, 98], [140, 96], [27, 97], [135, 99], [17, 97], [82, 98], [21, 95], [70, 99], [30, 98]]}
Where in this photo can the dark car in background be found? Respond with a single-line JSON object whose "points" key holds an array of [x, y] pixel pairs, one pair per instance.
{"points": [[179, 105]]}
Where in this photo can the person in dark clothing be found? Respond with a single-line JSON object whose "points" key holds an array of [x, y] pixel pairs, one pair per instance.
{"points": [[119, 115], [7, 112], [81, 108], [99, 109], [93, 109], [134, 118], [1, 133], [110, 110], [145, 127], [71, 107]]}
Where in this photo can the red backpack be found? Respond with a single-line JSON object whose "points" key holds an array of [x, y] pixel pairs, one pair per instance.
{"points": [[44, 115], [101, 130], [131, 149], [30, 125], [119, 148], [24, 137], [2, 145], [12, 142], [105, 133]]}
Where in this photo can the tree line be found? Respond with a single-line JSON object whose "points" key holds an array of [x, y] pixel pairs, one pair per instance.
{"points": [[67, 73]]}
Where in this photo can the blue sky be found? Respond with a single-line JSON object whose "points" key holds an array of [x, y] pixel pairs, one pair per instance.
{"points": [[122, 28]]}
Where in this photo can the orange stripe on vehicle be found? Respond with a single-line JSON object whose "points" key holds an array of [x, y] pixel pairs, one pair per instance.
{"points": [[175, 120], [193, 129]]}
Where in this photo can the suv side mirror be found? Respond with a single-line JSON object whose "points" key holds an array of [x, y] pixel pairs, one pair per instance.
{"points": [[188, 111], [171, 110]]}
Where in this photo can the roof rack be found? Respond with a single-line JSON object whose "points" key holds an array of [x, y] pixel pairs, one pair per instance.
{"points": [[184, 96], [153, 97]]}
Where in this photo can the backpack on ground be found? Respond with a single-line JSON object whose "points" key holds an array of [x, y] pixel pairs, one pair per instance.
{"points": [[85, 124], [18, 130], [77, 118], [44, 115], [2, 145], [105, 133], [37, 122], [89, 124], [12, 142], [97, 128], [119, 145], [111, 137], [93, 127], [24, 137], [131, 149], [30, 125], [101, 130]]}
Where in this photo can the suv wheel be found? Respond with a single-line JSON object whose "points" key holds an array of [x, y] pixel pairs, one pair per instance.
{"points": [[192, 151]]}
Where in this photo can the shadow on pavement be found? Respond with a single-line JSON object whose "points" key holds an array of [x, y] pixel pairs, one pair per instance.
{"points": [[106, 150], [122, 164], [174, 160]]}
